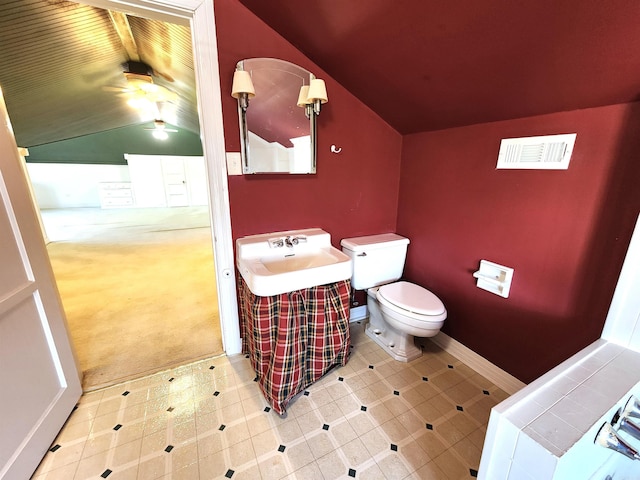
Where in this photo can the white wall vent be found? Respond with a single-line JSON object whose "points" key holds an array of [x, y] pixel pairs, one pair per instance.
{"points": [[550, 152]]}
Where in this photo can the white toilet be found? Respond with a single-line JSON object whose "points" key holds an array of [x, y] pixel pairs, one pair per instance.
{"points": [[398, 311]]}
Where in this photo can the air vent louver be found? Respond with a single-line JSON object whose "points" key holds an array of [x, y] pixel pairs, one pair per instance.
{"points": [[551, 152]]}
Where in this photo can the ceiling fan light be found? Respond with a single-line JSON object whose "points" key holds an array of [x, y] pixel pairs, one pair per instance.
{"points": [[159, 134]]}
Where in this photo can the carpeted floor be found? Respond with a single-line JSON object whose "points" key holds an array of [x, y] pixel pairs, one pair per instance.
{"points": [[137, 286]]}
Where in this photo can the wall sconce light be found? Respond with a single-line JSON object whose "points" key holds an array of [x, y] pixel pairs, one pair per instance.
{"points": [[317, 94], [242, 88], [303, 100], [313, 96]]}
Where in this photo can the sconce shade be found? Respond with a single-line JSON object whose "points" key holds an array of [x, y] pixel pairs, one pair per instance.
{"points": [[303, 98], [242, 84], [317, 91]]}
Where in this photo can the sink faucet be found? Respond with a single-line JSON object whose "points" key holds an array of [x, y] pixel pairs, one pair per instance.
{"points": [[291, 241]]}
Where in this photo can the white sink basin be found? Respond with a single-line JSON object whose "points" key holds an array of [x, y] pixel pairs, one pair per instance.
{"points": [[275, 263]]}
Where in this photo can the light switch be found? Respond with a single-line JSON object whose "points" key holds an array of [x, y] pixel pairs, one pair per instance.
{"points": [[234, 163]]}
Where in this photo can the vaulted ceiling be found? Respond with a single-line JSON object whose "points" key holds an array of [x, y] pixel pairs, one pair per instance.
{"points": [[62, 64], [433, 64], [420, 64]]}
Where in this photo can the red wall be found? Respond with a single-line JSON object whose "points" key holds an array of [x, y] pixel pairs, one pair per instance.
{"points": [[353, 193], [564, 232]]}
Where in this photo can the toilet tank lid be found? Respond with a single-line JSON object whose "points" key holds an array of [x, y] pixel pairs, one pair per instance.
{"points": [[369, 242], [412, 297]]}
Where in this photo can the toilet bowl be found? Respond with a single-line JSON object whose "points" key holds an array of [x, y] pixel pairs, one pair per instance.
{"points": [[400, 311]]}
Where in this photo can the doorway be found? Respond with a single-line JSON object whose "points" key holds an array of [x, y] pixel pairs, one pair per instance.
{"points": [[221, 223]]}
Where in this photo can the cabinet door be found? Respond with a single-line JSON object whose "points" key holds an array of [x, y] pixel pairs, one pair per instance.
{"points": [[147, 181]]}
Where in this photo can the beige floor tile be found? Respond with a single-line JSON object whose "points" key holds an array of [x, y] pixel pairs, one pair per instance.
{"points": [[320, 444], [413, 454], [375, 441], [266, 442], [332, 466], [299, 455], [342, 432], [431, 444], [449, 463], [273, 467], [355, 453], [431, 471], [393, 466], [469, 452], [308, 472], [388, 438]]}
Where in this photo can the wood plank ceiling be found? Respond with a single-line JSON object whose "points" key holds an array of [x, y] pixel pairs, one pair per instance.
{"points": [[61, 69]]}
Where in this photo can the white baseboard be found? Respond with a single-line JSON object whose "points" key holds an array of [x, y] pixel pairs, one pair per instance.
{"points": [[484, 367], [358, 313]]}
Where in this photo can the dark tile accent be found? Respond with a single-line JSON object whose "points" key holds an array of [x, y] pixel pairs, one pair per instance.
{"points": [[212, 367], [125, 393], [459, 408], [340, 379], [429, 426], [171, 379], [363, 408], [306, 393], [170, 409], [486, 392], [371, 367], [450, 366], [216, 393], [394, 447], [222, 427], [169, 448], [473, 473], [396, 392], [325, 427], [267, 409], [117, 427], [229, 473], [106, 473], [281, 448], [425, 379], [55, 447], [352, 473]]}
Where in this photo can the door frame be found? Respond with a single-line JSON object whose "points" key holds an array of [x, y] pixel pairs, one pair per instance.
{"points": [[199, 15]]}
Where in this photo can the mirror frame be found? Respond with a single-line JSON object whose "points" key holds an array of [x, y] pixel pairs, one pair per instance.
{"points": [[244, 128]]}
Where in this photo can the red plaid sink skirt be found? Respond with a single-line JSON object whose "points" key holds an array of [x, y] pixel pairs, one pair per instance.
{"points": [[294, 338]]}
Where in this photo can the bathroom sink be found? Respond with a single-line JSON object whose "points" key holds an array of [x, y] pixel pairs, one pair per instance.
{"points": [[275, 263]]}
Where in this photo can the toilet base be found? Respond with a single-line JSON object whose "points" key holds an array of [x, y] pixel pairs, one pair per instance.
{"points": [[399, 346]]}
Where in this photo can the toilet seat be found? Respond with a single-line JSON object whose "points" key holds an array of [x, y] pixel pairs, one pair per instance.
{"points": [[413, 299]]}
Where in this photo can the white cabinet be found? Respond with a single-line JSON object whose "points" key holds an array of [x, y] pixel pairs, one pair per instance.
{"points": [[115, 194], [168, 181]]}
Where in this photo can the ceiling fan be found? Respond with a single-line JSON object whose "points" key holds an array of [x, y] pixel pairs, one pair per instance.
{"points": [[140, 90], [160, 130]]}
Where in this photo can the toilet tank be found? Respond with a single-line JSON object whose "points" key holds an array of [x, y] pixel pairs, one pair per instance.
{"points": [[377, 259]]}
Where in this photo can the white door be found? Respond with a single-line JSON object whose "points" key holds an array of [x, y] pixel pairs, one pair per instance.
{"points": [[39, 379], [175, 182]]}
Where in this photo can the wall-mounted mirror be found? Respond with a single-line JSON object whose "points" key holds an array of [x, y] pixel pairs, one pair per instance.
{"points": [[277, 135]]}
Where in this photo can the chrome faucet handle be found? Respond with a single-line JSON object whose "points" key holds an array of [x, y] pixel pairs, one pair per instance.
{"points": [[631, 408], [608, 438], [291, 241], [276, 242], [623, 420]]}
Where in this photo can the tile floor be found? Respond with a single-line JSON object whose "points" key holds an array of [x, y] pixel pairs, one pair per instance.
{"points": [[374, 418]]}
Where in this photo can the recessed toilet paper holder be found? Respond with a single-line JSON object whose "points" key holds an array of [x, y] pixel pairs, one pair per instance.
{"points": [[494, 278]]}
